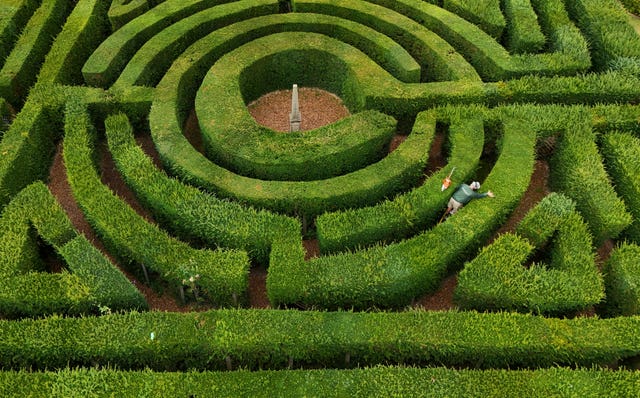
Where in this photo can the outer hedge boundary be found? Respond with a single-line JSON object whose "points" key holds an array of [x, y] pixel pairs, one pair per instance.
{"points": [[272, 339], [366, 382]]}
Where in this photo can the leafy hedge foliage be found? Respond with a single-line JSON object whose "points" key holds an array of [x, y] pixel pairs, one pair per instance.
{"points": [[365, 382], [222, 273], [622, 283], [484, 13], [79, 37], [631, 5], [14, 17], [578, 172], [523, 31], [272, 339], [622, 155], [34, 216], [497, 280], [607, 26], [123, 11], [111, 56], [21, 66], [186, 210]]}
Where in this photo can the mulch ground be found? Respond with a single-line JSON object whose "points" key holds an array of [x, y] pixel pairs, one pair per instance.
{"points": [[317, 108]]}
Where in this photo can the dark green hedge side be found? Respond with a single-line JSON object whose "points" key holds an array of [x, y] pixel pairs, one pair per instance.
{"points": [[631, 5], [438, 60], [271, 339], [407, 214], [621, 152], [484, 13], [108, 60], [393, 275], [498, 280], [223, 273], [27, 149], [622, 272], [82, 32], [523, 33], [186, 210], [366, 382], [13, 18], [123, 11], [578, 172], [21, 66], [606, 24]]}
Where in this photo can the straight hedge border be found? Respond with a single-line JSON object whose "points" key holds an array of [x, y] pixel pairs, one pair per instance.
{"points": [[523, 34], [622, 282], [13, 19], [229, 339], [366, 382]]}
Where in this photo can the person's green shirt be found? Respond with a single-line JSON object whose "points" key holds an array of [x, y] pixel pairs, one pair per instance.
{"points": [[464, 194]]}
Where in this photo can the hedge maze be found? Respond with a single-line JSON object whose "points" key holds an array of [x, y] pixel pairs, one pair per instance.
{"points": [[545, 302]]}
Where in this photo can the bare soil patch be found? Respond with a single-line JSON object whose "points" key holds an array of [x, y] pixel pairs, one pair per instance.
{"points": [[317, 108]]}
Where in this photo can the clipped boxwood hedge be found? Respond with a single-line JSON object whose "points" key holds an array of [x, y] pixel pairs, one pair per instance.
{"points": [[622, 283]]}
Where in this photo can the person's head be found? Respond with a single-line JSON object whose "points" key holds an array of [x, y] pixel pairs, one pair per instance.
{"points": [[475, 185]]}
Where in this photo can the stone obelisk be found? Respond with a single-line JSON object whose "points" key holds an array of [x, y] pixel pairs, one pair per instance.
{"points": [[294, 116]]}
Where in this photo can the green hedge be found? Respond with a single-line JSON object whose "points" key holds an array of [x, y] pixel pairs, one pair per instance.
{"points": [[622, 158], [365, 382], [189, 212], [21, 66], [393, 275], [497, 279], [13, 17], [621, 278], [223, 273], [523, 31], [606, 24], [32, 217], [407, 214], [438, 59], [81, 34], [271, 339], [484, 13], [104, 65], [578, 172]]}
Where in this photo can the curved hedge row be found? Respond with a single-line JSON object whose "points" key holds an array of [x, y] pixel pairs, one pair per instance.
{"points": [[14, 17], [222, 273], [484, 13], [189, 212]]}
